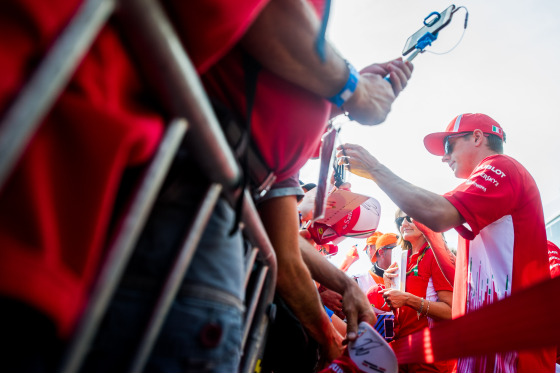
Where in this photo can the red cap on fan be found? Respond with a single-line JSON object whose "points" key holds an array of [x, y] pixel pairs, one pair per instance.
{"points": [[376, 298], [322, 233], [554, 258]]}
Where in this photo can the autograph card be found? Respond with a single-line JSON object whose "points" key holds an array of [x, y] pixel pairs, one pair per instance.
{"points": [[400, 256]]}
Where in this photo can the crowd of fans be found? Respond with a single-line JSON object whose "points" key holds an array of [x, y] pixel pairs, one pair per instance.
{"points": [[266, 64]]}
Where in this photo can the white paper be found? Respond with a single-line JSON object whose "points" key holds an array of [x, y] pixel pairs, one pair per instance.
{"points": [[399, 256]]}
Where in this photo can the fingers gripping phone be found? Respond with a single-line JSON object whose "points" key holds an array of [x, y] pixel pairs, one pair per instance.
{"points": [[433, 23]]}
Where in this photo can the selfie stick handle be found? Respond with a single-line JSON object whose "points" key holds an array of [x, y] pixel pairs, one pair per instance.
{"points": [[422, 43], [409, 58], [413, 55]]}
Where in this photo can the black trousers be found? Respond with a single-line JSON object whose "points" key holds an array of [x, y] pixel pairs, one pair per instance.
{"points": [[289, 349]]}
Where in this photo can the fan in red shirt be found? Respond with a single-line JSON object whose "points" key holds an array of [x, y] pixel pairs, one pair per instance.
{"points": [[428, 294], [58, 203]]}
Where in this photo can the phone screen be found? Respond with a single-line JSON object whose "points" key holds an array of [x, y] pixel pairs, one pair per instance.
{"points": [[443, 21]]}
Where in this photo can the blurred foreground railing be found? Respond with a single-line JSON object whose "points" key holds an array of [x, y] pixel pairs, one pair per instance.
{"points": [[175, 82]]}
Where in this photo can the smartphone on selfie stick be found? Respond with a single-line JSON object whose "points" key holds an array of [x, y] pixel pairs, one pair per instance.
{"points": [[424, 37]]}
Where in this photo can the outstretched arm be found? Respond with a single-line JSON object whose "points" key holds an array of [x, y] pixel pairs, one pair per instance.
{"points": [[431, 209], [281, 221], [351, 257], [283, 39], [440, 309], [356, 307]]}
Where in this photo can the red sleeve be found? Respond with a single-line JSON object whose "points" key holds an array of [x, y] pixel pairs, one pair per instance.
{"points": [[210, 28], [488, 194], [440, 281]]}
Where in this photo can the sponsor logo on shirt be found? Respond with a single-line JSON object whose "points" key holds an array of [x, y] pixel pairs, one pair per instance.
{"points": [[489, 179], [469, 182], [498, 172], [485, 172]]}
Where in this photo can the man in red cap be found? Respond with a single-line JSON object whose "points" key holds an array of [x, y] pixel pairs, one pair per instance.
{"points": [[503, 250]]}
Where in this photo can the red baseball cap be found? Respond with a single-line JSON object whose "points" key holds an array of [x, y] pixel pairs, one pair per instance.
{"points": [[376, 299], [466, 122]]}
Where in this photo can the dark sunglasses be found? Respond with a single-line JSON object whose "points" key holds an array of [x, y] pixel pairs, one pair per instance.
{"points": [[388, 247], [400, 220], [448, 147]]}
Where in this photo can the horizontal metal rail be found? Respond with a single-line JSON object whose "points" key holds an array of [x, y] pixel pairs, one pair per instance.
{"points": [[249, 262], [255, 338], [175, 80], [253, 302]]}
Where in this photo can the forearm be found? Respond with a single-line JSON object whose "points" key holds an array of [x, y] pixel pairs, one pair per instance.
{"points": [[433, 309], [322, 270], [431, 209], [300, 293], [356, 307], [294, 279], [282, 39], [348, 261]]}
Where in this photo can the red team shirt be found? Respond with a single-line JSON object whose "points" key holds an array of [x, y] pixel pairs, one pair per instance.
{"points": [[429, 280], [504, 251], [58, 203]]}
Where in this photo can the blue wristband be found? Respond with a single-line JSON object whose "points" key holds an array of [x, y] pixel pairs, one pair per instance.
{"points": [[340, 98]]}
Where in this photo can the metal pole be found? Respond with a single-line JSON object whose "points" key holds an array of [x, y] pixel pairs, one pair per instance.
{"points": [[121, 249], [51, 77], [175, 277], [176, 81]]}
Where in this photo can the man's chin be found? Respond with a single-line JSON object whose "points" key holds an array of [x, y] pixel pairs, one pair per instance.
{"points": [[460, 175]]}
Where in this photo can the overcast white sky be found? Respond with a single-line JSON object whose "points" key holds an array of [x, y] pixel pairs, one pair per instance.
{"points": [[507, 66]]}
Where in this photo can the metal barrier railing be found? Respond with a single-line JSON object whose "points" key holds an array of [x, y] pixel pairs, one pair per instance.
{"points": [[175, 81], [31, 105], [173, 76], [175, 277], [121, 249]]}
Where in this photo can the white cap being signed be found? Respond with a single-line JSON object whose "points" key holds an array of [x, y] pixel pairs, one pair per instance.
{"points": [[369, 353]]}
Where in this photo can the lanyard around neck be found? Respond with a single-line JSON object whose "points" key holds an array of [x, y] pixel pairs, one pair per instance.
{"points": [[415, 268]]}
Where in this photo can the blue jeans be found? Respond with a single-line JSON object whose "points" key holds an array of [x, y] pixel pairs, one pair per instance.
{"points": [[202, 332], [214, 344], [198, 336]]}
